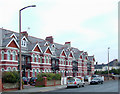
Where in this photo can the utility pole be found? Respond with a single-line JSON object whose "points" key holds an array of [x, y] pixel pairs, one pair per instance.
{"points": [[108, 62], [20, 66]]}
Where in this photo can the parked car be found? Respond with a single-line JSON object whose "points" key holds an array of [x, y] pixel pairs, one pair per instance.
{"points": [[76, 82], [29, 80], [86, 77], [25, 80], [33, 80], [96, 80], [94, 76]]}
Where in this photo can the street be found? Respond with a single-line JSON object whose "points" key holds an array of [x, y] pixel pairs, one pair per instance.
{"points": [[107, 86]]}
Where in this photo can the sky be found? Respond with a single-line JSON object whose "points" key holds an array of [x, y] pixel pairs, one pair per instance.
{"points": [[90, 25]]}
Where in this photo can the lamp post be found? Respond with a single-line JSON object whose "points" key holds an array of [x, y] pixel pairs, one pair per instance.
{"points": [[108, 62], [20, 66]]}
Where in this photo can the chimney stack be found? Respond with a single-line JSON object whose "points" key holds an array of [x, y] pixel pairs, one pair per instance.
{"points": [[68, 44], [24, 33], [50, 39]]}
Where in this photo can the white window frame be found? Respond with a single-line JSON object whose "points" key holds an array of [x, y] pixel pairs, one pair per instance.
{"points": [[2, 69], [33, 58], [68, 62], [48, 60], [56, 71], [8, 55], [48, 70], [14, 55], [65, 62], [45, 59], [14, 69], [28, 73], [45, 70], [37, 71], [8, 68], [33, 73], [23, 43], [62, 61], [2, 55], [37, 58], [28, 60], [41, 71], [40, 59]]}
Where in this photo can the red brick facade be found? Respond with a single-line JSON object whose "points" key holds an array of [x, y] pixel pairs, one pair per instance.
{"points": [[40, 58]]}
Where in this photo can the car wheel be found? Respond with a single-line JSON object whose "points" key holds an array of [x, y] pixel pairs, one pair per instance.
{"points": [[82, 85], [67, 86], [78, 86], [101, 82]]}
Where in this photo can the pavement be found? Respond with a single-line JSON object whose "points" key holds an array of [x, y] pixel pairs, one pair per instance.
{"points": [[28, 88], [40, 89]]}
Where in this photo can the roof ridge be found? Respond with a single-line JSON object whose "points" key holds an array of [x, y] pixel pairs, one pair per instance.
{"points": [[7, 38], [8, 30], [36, 37], [58, 43]]}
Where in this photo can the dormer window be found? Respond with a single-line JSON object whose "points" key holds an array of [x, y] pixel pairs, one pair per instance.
{"points": [[13, 36], [46, 44], [23, 43], [53, 47]]}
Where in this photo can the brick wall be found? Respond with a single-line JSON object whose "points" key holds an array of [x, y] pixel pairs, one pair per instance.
{"points": [[0, 84]]}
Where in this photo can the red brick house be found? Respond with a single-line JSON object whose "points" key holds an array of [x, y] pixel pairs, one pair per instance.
{"points": [[42, 56]]}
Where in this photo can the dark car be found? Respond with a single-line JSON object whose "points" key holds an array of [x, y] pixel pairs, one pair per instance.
{"points": [[33, 80], [86, 77], [25, 80], [96, 81]]}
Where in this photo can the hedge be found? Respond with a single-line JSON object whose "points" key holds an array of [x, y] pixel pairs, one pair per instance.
{"points": [[10, 77], [115, 71], [50, 76]]}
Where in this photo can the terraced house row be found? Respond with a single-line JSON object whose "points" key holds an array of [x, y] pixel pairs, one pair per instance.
{"points": [[42, 56]]}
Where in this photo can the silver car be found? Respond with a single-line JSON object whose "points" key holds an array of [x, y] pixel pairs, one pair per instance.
{"points": [[73, 81]]}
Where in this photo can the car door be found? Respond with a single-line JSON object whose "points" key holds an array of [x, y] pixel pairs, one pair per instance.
{"points": [[79, 81]]}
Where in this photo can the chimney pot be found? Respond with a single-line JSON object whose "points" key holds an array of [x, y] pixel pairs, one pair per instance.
{"points": [[68, 44], [24, 33], [50, 39]]}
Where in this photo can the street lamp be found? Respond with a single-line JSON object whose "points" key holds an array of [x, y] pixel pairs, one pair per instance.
{"points": [[20, 67], [108, 62]]}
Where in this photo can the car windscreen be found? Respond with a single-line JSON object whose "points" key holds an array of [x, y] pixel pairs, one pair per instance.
{"points": [[71, 80], [86, 77], [24, 78], [95, 78]]}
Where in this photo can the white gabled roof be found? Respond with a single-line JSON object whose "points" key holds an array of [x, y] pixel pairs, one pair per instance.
{"points": [[13, 39]]}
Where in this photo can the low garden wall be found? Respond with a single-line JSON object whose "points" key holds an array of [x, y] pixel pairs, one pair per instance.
{"points": [[48, 79], [10, 86], [46, 82], [53, 82], [10, 80]]}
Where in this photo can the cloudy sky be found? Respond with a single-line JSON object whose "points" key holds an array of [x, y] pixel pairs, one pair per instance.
{"points": [[90, 25]]}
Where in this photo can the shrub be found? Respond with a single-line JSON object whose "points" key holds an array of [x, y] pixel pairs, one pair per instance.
{"points": [[39, 77], [57, 76], [10, 77], [50, 76]]}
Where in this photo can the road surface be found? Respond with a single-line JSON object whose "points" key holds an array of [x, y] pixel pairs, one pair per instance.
{"points": [[107, 86]]}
